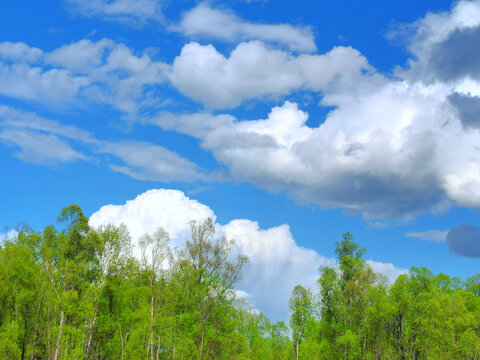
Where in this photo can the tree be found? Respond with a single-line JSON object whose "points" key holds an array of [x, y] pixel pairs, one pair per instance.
{"points": [[211, 271], [301, 306]]}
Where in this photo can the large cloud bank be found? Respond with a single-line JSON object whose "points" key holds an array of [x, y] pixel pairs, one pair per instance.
{"points": [[394, 146], [277, 262]]}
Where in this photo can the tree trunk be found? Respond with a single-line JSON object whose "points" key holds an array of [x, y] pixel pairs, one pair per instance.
{"points": [[90, 335], [122, 343], [151, 326], [202, 339], [35, 336], [297, 349], [59, 338]]}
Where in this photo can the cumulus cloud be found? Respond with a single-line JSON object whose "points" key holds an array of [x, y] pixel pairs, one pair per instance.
{"points": [[387, 269], [369, 156], [9, 235], [34, 83], [170, 209], [437, 236], [136, 12], [254, 71], [19, 51], [277, 262], [203, 21], [83, 72], [464, 240], [442, 51]]}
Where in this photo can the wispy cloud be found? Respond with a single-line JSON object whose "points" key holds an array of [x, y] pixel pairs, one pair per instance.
{"points": [[204, 21], [135, 12], [437, 236]]}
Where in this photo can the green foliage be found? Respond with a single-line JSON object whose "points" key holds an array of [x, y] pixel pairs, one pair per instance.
{"points": [[78, 293]]}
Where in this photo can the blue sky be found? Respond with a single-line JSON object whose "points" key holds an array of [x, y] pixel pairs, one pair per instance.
{"points": [[307, 118]]}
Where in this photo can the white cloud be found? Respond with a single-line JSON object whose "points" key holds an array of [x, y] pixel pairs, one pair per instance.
{"points": [[170, 209], [45, 141], [276, 265], [38, 148], [277, 262], [437, 236], [197, 124], [83, 73], [146, 161], [9, 235], [136, 12], [81, 56], [254, 71], [34, 83], [13, 118], [368, 157], [19, 51], [441, 43], [205, 22], [387, 269]]}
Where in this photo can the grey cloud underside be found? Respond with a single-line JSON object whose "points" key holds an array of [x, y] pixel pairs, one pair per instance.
{"points": [[464, 240], [468, 109], [457, 56]]}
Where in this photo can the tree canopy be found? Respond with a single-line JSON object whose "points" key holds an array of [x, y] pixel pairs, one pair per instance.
{"points": [[73, 292]]}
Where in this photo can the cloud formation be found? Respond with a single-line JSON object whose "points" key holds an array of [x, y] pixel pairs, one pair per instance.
{"points": [[464, 240], [83, 72], [436, 236], [136, 12], [255, 71], [277, 262], [203, 21], [48, 142]]}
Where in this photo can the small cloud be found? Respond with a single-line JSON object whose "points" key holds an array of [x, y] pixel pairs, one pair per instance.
{"points": [[135, 12], [377, 225], [437, 236], [464, 240], [10, 235], [387, 269], [206, 22]]}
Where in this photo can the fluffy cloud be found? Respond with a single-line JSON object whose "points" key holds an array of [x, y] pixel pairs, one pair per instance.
{"points": [[253, 71], [136, 12], [430, 235], [387, 269], [369, 156], [205, 22], [442, 48], [170, 209], [34, 83], [277, 262], [9, 235], [19, 52], [441, 44], [464, 240], [81, 72]]}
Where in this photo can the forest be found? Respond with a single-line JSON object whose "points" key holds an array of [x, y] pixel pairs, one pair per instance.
{"points": [[74, 292]]}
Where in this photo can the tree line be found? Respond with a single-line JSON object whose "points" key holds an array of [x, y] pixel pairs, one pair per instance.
{"points": [[73, 292]]}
